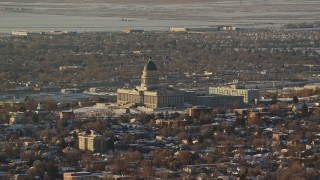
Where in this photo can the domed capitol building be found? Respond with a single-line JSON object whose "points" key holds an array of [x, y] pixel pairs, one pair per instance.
{"points": [[150, 93]]}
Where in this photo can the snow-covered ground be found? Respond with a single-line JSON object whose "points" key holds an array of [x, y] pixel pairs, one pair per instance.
{"points": [[112, 108], [150, 15]]}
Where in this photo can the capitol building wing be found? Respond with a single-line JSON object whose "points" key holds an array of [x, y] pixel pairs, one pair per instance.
{"points": [[150, 93]]}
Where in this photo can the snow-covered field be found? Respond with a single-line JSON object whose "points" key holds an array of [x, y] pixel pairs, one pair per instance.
{"points": [[85, 16]]}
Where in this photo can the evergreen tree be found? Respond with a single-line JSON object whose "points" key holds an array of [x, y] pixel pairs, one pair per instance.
{"points": [[295, 99]]}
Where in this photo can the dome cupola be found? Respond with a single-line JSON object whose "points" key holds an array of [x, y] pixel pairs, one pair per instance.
{"points": [[150, 66]]}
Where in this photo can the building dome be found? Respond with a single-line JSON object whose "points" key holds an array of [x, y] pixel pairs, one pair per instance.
{"points": [[150, 77], [150, 66]]}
